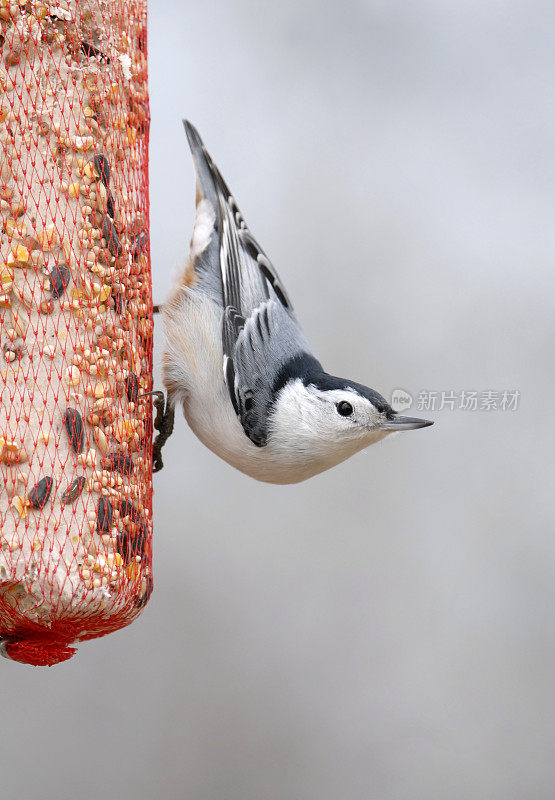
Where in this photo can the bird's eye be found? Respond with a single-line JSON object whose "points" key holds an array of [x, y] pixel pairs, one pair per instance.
{"points": [[344, 408]]}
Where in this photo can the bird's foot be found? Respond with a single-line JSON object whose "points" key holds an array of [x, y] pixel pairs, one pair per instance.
{"points": [[164, 425]]}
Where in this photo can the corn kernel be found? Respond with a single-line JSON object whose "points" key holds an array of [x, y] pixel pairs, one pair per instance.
{"points": [[20, 504]]}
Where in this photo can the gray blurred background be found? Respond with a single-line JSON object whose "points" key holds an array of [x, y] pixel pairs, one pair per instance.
{"points": [[386, 630]]}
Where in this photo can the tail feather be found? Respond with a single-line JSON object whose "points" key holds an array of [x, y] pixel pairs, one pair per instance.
{"points": [[204, 260], [209, 180], [233, 257]]}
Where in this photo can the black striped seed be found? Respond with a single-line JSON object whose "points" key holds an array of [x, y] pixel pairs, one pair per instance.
{"points": [[142, 601], [110, 233], [132, 387], [102, 168], [104, 516], [118, 462], [59, 280], [73, 490], [110, 208], [118, 302], [74, 427], [127, 509], [39, 494], [90, 50], [130, 545]]}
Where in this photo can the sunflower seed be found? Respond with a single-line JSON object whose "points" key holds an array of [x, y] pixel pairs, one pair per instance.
{"points": [[130, 545], [74, 490], [132, 387], [59, 280], [145, 592], [104, 516], [102, 168], [127, 509], [111, 235], [118, 462], [40, 493], [110, 208], [90, 50], [118, 302], [74, 427]]}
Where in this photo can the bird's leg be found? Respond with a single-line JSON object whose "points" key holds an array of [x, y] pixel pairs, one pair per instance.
{"points": [[164, 425]]}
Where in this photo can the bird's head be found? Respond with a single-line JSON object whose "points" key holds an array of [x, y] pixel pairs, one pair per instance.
{"points": [[326, 419]]}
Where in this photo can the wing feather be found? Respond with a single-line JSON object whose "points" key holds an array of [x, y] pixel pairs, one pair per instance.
{"points": [[268, 340], [259, 329]]}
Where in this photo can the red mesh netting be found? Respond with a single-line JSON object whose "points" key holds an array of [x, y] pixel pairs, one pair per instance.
{"points": [[75, 324]]}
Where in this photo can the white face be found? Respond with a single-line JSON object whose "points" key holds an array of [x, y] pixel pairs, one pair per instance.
{"points": [[327, 426], [343, 415]]}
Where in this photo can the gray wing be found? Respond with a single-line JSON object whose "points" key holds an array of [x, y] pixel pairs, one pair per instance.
{"points": [[265, 343], [259, 331]]}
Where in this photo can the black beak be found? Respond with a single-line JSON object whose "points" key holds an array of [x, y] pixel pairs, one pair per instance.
{"points": [[399, 423]]}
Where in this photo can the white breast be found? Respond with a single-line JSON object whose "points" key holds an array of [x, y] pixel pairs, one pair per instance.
{"points": [[193, 375]]}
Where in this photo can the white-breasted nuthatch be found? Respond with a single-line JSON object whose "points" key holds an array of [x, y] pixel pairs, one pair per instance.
{"points": [[238, 363]]}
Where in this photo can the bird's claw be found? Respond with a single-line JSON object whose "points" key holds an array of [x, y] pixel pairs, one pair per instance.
{"points": [[163, 423]]}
